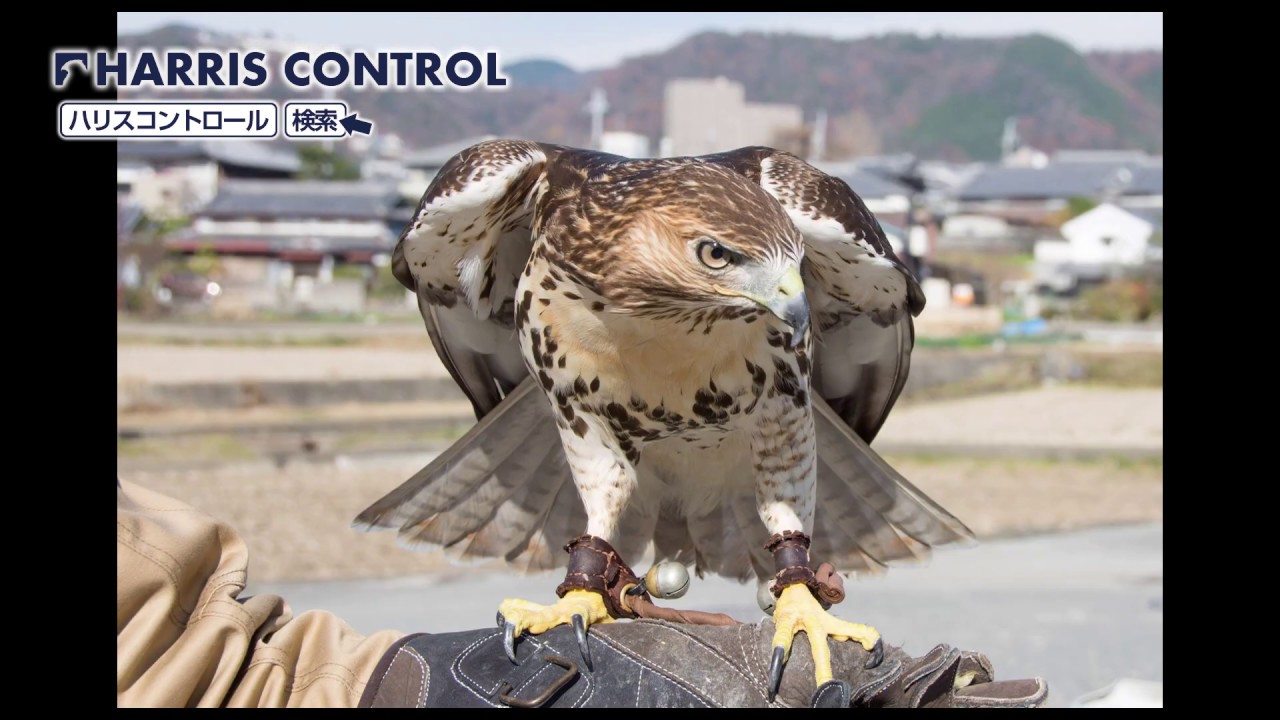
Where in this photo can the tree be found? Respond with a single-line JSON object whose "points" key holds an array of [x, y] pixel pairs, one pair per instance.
{"points": [[321, 163], [1077, 206]]}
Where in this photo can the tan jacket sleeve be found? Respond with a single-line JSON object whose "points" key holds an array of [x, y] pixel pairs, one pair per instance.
{"points": [[185, 637]]}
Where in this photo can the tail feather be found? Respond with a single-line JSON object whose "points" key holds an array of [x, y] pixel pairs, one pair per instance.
{"points": [[754, 535], [468, 514], [564, 519], [847, 533], [505, 490], [636, 530], [871, 482], [722, 549], [509, 467], [671, 539], [511, 524]]}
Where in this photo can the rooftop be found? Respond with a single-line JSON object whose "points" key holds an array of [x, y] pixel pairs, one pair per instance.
{"points": [[1125, 157], [870, 185], [264, 243], [357, 200], [1146, 181], [244, 153], [1155, 216], [1063, 180]]}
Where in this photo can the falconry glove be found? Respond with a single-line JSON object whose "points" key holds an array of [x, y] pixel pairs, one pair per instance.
{"points": [[654, 663]]}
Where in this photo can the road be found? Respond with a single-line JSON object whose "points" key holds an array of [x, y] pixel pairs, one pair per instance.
{"points": [[1079, 609], [1058, 416]]}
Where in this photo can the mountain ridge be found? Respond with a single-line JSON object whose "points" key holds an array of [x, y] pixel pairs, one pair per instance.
{"points": [[936, 96]]}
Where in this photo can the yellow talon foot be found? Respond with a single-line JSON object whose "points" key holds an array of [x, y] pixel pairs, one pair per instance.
{"points": [[797, 610], [579, 608]]}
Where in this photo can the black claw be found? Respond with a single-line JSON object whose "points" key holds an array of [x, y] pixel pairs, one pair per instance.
{"points": [[509, 641], [501, 620], [580, 629], [877, 655], [776, 663]]}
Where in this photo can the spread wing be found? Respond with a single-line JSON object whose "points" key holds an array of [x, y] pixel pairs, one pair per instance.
{"points": [[504, 489], [862, 297], [462, 254]]}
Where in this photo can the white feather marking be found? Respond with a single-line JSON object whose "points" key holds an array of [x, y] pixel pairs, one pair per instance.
{"points": [[454, 233], [853, 278], [471, 277]]}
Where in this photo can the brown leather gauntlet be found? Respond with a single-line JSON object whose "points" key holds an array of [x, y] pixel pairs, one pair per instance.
{"points": [[791, 567], [594, 565]]}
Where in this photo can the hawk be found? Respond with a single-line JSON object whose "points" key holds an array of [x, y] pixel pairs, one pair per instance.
{"points": [[688, 355]]}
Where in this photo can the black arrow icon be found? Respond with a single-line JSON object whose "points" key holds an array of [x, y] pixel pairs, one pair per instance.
{"points": [[352, 125]]}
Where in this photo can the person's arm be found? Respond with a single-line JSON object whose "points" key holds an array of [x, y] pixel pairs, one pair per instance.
{"points": [[185, 637]]}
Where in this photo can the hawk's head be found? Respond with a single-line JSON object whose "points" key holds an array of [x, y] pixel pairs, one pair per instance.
{"points": [[685, 236]]}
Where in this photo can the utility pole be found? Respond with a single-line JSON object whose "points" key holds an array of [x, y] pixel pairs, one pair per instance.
{"points": [[818, 146], [596, 107], [1009, 140], [917, 250]]}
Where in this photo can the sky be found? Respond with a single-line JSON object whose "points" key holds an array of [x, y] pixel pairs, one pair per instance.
{"points": [[588, 41]]}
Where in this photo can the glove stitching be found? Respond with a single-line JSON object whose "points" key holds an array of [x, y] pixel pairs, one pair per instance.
{"points": [[425, 686], [673, 677], [456, 668]]}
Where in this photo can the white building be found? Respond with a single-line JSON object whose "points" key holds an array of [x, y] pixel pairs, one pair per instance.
{"points": [[174, 179], [1096, 243], [626, 144], [963, 225], [703, 116]]}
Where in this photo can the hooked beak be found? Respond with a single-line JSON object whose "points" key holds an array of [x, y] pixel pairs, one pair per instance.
{"points": [[790, 305]]}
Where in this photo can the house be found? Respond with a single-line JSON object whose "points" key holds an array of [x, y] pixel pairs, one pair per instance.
{"points": [[1038, 195], [1144, 189], [964, 226], [297, 220], [173, 179], [381, 158], [1097, 245], [935, 183], [279, 243]]}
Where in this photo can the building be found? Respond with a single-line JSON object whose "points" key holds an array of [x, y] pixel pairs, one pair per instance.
{"points": [[174, 179], [280, 243], [1144, 189], [297, 220], [626, 144], [702, 116], [380, 158], [1038, 195], [1098, 244], [1095, 157]]}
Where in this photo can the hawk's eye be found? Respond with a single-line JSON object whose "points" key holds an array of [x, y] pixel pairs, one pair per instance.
{"points": [[714, 255]]}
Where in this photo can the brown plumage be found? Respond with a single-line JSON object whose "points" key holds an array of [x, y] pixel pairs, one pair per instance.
{"points": [[634, 336]]}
